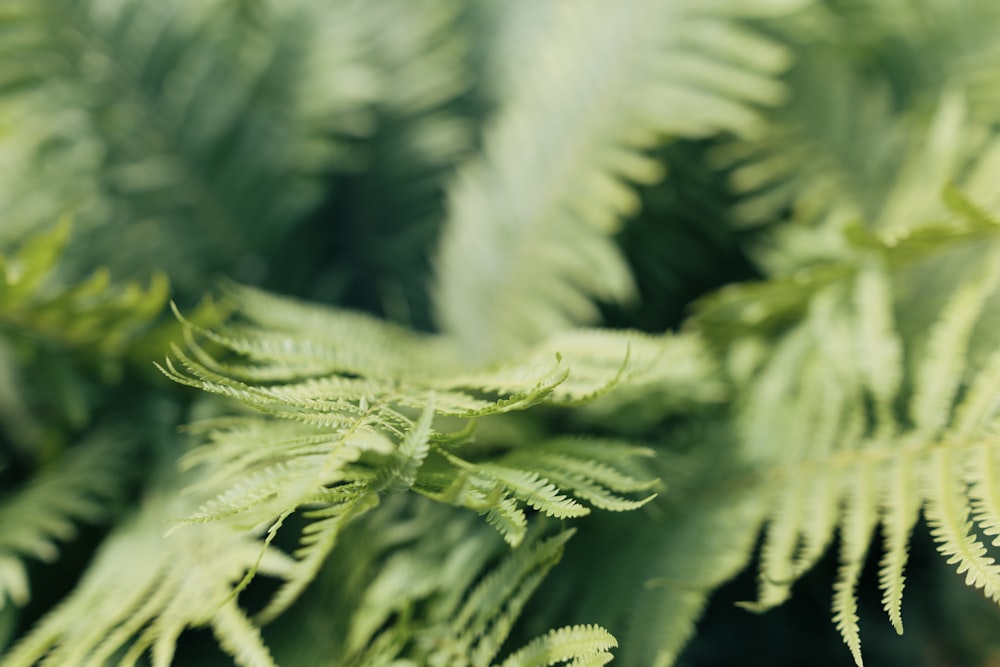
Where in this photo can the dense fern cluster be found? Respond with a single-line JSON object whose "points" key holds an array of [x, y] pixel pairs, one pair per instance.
{"points": [[501, 334]]}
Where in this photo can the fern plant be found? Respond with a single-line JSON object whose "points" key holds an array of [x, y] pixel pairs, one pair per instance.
{"points": [[502, 334]]}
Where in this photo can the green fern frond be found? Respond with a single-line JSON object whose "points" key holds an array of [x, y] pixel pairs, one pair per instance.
{"points": [[178, 129], [450, 601], [68, 332], [882, 417], [143, 589], [583, 644], [340, 432], [89, 314], [82, 486], [527, 248], [845, 148]]}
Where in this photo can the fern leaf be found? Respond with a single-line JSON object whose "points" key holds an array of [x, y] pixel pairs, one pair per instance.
{"points": [[943, 367], [481, 625], [860, 519], [318, 540], [535, 491], [538, 238], [983, 495], [352, 420], [900, 512], [777, 569], [142, 590], [678, 582], [401, 473], [81, 487], [577, 643], [180, 126], [92, 314], [844, 150], [879, 349], [841, 442], [509, 520], [946, 513]]}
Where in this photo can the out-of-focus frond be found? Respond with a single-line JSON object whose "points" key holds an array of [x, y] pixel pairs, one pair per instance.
{"points": [[527, 247], [79, 487], [143, 589], [177, 130], [870, 126], [450, 601]]}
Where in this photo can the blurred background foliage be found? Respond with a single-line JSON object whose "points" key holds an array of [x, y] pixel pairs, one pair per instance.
{"points": [[497, 172]]}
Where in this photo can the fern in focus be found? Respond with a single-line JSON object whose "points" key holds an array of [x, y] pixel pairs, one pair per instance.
{"points": [[417, 403]]}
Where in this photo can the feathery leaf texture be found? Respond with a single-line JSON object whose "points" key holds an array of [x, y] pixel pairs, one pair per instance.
{"points": [[450, 601], [82, 486], [846, 395], [859, 141], [143, 590], [93, 313], [471, 606], [527, 245], [339, 393], [179, 129], [883, 420]]}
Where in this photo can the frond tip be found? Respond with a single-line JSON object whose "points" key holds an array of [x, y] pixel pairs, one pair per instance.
{"points": [[583, 644]]}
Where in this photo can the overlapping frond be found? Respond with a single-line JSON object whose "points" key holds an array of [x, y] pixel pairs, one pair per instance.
{"points": [[527, 246], [143, 589], [869, 126], [82, 486], [356, 409], [93, 313], [49, 326], [880, 419], [396, 597], [180, 130]]}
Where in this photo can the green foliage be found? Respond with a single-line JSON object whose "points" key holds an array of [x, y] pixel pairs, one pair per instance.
{"points": [[143, 590], [525, 249], [345, 428], [384, 465], [82, 486]]}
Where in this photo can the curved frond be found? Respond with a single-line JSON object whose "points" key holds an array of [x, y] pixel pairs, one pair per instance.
{"points": [[177, 129], [583, 644], [82, 486], [143, 589], [340, 429], [527, 246], [450, 601], [93, 313], [869, 125], [843, 376]]}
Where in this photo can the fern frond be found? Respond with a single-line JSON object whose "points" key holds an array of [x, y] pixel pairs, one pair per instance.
{"points": [[178, 129], [583, 644], [846, 375], [901, 509], [339, 429], [447, 602], [81, 486], [318, 540], [550, 476], [90, 314], [143, 589], [695, 551], [526, 251], [845, 147]]}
